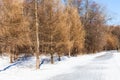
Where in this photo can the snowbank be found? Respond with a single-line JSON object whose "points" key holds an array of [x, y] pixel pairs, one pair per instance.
{"points": [[26, 70]]}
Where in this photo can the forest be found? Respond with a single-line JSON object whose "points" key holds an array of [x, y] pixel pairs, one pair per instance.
{"points": [[55, 27]]}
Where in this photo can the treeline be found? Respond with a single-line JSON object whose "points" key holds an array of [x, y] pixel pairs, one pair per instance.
{"points": [[50, 27]]}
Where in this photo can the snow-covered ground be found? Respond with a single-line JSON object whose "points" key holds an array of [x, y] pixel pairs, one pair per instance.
{"points": [[100, 66]]}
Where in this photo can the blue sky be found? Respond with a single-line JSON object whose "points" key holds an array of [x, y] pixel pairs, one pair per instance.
{"points": [[112, 9]]}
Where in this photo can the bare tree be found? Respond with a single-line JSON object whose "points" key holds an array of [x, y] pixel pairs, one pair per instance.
{"points": [[14, 34], [37, 35], [93, 20]]}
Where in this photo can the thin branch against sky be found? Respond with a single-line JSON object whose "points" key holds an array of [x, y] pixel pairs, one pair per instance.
{"points": [[113, 10]]}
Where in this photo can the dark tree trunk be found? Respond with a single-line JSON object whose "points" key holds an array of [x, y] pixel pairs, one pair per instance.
{"points": [[59, 57], [52, 60]]}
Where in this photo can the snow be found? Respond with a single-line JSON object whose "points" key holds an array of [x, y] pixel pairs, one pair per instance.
{"points": [[113, 72], [105, 64]]}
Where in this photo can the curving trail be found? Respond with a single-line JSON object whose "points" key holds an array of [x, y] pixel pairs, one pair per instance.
{"points": [[104, 67]]}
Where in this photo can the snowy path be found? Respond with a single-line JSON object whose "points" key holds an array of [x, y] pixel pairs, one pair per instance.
{"points": [[104, 67], [100, 66]]}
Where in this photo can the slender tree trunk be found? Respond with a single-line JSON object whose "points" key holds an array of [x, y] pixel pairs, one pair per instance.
{"points": [[37, 62], [37, 36], [59, 57], [14, 56], [11, 58], [86, 13], [69, 54], [68, 24], [52, 60]]}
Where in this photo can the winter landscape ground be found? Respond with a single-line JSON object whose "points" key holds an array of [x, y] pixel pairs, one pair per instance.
{"points": [[55, 39], [101, 66]]}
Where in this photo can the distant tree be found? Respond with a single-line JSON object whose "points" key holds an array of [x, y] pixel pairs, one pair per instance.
{"points": [[76, 33], [115, 30], [112, 41], [93, 20], [14, 28], [48, 20], [37, 35]]}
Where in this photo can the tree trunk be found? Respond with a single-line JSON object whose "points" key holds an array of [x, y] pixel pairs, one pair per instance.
{"points": [[69, 54], [37, 62], [52, 60], [14, 56], [59, 57], [37, 36], [11, 58]]}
